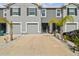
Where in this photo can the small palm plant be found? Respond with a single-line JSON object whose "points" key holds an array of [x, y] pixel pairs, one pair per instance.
{"points": [[4, 20], [60, 22]]}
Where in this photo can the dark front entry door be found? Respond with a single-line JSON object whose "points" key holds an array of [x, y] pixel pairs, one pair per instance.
{"points": [[54, 27], [45, 28], [3, 27]]}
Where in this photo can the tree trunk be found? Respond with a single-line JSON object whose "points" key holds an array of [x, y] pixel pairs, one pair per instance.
{"points": [[11, 32], [61, 32]]}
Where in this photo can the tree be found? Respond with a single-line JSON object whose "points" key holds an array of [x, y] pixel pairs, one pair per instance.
{"points": [[11, 31], [60, 22], [4, 20]]}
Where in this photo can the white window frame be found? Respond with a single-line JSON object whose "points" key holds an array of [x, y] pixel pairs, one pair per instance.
{"points": [[12, 11], [33, 22], [70, 22], [41, 12], [74, 12], [56, 12], [73, 7], [28, 12]]}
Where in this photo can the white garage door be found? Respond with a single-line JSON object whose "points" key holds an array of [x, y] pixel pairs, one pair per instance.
{"points": [[71, 26], [32, 28], [16, 28]]}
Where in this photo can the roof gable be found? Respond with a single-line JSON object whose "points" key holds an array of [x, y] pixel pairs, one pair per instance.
{"points": [[10, 4], [75, 4]]}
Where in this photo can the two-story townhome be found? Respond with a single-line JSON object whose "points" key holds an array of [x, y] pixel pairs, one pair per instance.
{"points": [[33, 18], [47, 14], [70, 9], [25, 17]]}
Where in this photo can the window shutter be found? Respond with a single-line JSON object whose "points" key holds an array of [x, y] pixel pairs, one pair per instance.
{"points": [[10, 11], [19, 11], [36, 11], [67, 11], [27, 12], [75, 11]]}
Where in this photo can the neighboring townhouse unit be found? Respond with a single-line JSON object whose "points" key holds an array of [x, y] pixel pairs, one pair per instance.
{"points": [[71, 9], [26, 18], [33, 18], [47, 14], [2, 25]]}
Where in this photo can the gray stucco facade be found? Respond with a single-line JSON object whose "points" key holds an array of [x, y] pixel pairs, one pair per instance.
{"points": [[23, 19], [24, 24], [73, 25], [50, 13]]}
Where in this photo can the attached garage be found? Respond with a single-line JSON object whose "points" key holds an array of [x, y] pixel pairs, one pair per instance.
{"points": [[16, 28], [32, 27], [71, 26]]}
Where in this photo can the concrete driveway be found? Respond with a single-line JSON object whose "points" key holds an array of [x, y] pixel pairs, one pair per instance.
{"points": [[36, 45]]}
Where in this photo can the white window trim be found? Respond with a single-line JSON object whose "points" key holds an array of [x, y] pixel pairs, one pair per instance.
{"points": [[33, 22], [45, 13], [70, 22], [15, 15], [31, 15], [31, 7], [72, 7], [56, 13]]}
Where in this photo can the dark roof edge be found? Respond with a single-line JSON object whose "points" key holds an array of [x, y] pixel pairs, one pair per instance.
{"points": [[8, 5], [39, 6], [71, 3]]}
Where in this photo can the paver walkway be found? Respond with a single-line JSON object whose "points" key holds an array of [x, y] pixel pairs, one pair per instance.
{"points": [[36, 45]]}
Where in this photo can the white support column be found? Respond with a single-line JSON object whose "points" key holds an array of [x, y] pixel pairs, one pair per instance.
{"points": [[7, 28], [50, 28]]}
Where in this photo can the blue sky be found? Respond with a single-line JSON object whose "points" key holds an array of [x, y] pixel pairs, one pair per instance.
{"points": [[52, 4], [48, 4]]}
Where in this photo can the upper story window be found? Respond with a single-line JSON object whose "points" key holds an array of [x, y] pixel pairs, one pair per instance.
{"points": [[31, 11], [72, 11], [15, 11], [58, 12], [43, 12]]}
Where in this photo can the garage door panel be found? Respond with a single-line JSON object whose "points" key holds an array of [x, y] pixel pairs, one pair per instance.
{"points": [[32, 28], [71, 26], [16, 28]]}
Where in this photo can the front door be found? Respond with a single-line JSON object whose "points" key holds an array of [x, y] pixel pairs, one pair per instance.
{"points": [[54, 28], [45, 28]]}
